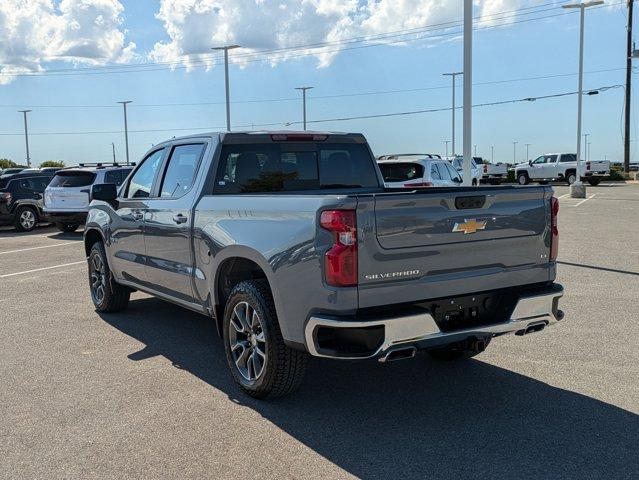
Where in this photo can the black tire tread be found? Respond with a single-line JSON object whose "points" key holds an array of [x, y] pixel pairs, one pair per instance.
{"points": [[116, 296], [290, 364]]}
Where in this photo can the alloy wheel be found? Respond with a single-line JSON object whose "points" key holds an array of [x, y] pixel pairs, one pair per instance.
{"points": [[97, 278], [27, 219], [247, 341]]}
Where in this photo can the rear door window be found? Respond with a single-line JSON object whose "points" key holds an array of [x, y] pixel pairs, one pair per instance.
{"points": [[181, 169], [35, 184], [444, 173], [294, 167], [72, 179], [568, 157], [400, 172], [434, 172]]}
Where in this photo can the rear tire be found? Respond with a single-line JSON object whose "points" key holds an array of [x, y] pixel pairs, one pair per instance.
{"points": [[458, 351], [107, 295], [522, 178], [594, 181], [261, 363], [571, 178], [67, 227], [26, 219]]}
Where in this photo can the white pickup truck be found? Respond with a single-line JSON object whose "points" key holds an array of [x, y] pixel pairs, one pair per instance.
{"points": [[493, 173], [560, 166]]}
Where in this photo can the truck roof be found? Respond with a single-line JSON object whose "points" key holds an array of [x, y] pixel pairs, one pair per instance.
{"points": [[267, 136]]}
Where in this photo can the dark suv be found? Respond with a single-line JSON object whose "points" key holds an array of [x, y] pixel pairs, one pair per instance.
{"points": [[21, 199]]}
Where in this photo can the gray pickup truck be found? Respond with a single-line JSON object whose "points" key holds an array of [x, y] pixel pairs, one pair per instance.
{"points": [[291, 243]]}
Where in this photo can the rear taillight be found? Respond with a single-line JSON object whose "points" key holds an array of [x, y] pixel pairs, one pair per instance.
{"points": [[298, 137], [485, 168], [5, 197], [587, 165], [340, 262], [418, 185], [554, 231]]}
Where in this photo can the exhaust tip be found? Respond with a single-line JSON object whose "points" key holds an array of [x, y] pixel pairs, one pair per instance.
{"points": [[398, 354]]}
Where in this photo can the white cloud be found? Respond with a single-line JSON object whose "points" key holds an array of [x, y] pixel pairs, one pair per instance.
{"points": [[33, 32], [194, 26]]}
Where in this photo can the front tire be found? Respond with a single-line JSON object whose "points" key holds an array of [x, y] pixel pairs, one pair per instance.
{"points": [[522, 178], [26, 219], [571, 178], [107, 295], [261, 363], [67, 227]]}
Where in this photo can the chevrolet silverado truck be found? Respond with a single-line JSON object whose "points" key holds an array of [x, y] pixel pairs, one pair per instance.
{"points": [[560, 166], [292, 245]]}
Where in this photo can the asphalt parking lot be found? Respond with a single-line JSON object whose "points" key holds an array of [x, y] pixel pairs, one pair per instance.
{"points": [[146, 393]]}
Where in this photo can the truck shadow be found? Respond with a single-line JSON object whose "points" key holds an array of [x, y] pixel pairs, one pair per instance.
{"points": [[413, 419]]}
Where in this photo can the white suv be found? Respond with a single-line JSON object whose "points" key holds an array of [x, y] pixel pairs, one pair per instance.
{"points": [[417, 171], [66, 199]]}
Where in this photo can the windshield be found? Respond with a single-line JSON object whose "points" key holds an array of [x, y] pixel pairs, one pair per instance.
{"points": [[400, 172], [72, 179]]}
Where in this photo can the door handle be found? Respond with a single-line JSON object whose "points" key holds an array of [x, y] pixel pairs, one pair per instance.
{"points": [[179, 218]]}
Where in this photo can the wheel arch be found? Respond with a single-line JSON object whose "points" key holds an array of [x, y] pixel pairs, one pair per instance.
{"points": [[91, 237]]}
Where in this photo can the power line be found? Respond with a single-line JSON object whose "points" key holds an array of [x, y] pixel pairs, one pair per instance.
{"points": [[268, 54], [337, 119], [317, 97]]}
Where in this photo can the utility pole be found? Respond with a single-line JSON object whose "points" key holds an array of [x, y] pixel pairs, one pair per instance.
{"points": [[626, 139], [26, 135], [468, 91], [446, 142], [113, 148], [475, 147], [453, 76], [126, 130], [226, 82], [527, 156], [578, 189], [492, 154], [303, 89], [515, 152]]}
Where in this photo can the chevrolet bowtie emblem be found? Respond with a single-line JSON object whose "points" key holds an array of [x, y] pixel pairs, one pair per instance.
{"points": [[469, 226]]}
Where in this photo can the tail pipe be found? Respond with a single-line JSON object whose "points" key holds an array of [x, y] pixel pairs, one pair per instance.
{"points": [[399, 353]]}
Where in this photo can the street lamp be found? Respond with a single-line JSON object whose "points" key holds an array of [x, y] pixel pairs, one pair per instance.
{"points": [[453, 75], [515, 152], [527, 155], [446, 142], [226, 81], [578, 189], [586, 144], [126, 130], [303, 89], [26, 134], [492, 154]]}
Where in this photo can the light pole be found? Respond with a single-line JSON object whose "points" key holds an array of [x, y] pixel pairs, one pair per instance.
{"points": [[303, 89], [527, 155], [578, 189], [475, 147], [113, 148], [226, 82], [468, 91], [126, 130], [446, 142], [515, 152], [453, 75], [26, 134], [586, 143], [492, 154]]}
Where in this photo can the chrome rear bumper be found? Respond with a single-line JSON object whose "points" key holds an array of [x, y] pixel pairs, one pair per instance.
{"points": [[421, 330]]}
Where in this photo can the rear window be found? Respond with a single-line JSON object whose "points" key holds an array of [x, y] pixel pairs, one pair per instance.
{"points": [[72, 179], [259, 168], [400, 172]]}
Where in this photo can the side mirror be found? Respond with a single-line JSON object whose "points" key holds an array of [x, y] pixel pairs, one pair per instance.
{"points": [[530, 162], [107, 192], [457, 180]]}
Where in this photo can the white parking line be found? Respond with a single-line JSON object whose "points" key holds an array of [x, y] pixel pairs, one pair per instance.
{"points": [[37, 248], [585, 200], [564, 195], [6, 275]]}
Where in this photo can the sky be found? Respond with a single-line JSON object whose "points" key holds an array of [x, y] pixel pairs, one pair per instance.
{"points": [[70, 61]]}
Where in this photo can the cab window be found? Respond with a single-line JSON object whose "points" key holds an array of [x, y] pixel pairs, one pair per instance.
{"points": [[142, 180], [181, 169]]}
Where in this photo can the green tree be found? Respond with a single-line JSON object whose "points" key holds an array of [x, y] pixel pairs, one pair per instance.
{"points": [[6, 163], [52, 163]]}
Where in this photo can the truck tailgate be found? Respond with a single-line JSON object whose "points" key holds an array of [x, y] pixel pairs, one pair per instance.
{"points": [[446, 242]]}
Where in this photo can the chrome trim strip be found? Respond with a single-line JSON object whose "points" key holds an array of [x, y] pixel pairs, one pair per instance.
{"points": [[422, 327]]}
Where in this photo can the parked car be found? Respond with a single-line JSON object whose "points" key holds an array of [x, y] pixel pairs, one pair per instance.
{"points": [[12, 170], [493, 173], [21, 199], [475, 171], [290, 241], [66, 199], [562, 167], [408, 156], [418, 173]]}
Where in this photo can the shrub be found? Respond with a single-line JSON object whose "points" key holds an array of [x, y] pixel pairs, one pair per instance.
{"points": [[6, 163], [52, 163]]}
